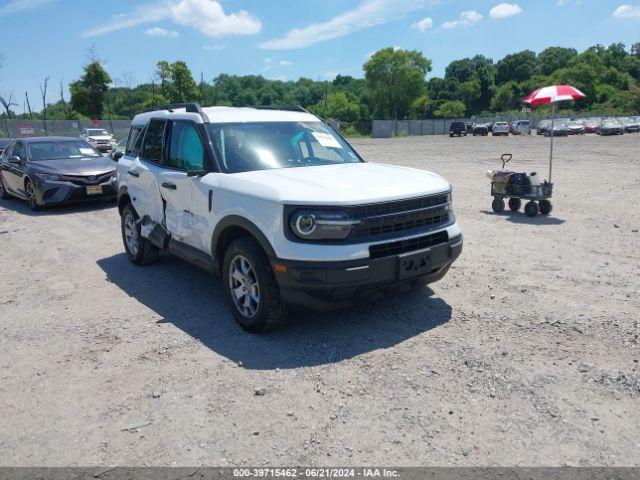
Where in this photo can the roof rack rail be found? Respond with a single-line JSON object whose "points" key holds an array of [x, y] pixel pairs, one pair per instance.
{"points": [[287, 108], [189, 108]]}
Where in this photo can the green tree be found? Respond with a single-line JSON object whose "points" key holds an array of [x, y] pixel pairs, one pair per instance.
{"points": [[88, 93], [396, 78], [554, 58], [508, 97], [182, 87], [451, 109], [516, 67], [422, 107]]}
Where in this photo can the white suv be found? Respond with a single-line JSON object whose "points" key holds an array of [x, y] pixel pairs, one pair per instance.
{"points": [[282, 207]]}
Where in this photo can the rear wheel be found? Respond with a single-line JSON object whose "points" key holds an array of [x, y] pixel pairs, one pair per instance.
{"points": [[545, 207], [498, 205], [251, 288], [531, 209], [514, 204], [139, 249], [3, 191]]}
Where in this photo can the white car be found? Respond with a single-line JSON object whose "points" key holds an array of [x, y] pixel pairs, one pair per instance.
{"points": [[500, 128], [521, 127], [98, 138], [282, 207]]}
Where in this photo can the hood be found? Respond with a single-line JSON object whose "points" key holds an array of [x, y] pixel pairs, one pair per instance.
{"points": [[344, 184], [75, 166]]}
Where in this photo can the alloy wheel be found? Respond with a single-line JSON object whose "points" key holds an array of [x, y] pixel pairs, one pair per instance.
{"points": [[131, 234], [244, 286], [31, 195]]}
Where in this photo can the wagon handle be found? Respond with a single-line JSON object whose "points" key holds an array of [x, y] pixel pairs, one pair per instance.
{"points": [[506, 158]]}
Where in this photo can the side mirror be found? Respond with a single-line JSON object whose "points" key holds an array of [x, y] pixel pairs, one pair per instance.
{"points": [[15, 160], [117, 156], [197, 173]]}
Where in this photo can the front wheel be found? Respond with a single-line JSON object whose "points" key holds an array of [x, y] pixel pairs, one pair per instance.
{"points": [[498, 205], [139, 249], [251, 288], [514, 204], [3, 191], [30, 191], [531, 209]]}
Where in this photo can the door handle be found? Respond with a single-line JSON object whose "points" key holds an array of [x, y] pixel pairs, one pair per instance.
{"points": [[169, 186], [133, 173]]}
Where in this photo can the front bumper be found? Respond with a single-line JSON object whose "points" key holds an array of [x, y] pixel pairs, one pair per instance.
{"points": [[55, 192], [328, 285]]}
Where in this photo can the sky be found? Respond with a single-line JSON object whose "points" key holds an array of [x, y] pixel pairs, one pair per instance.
{"points": [[282, 39]]}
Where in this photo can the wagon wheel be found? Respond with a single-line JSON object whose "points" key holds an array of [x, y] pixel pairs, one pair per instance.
{"points": [[531, 209], [515, 204], [545, 207], [498, 205]]}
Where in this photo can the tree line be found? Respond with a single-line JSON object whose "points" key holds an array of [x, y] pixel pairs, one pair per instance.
{"points": [[395, 86]]}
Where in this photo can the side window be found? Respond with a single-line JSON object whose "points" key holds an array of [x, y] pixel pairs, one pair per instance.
{"points": [[8, 150], [136, 151], [154, 141], [134, 134], [19, 151], [186, 151]]}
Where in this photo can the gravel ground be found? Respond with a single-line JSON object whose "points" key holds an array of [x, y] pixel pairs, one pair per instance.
{"points": [[525, 354]]}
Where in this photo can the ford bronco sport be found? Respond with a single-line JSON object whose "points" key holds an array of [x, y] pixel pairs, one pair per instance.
{"points": [[282, 207]]}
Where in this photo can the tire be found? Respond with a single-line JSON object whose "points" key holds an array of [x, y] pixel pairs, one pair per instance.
{"points": [[251, 288], [531, 209], [514, 204], [4, 195], [139, 250], [30, 192], [498, 205], [545, 207]]}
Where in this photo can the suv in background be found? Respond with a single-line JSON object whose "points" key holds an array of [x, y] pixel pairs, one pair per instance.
{"points": [[98, 138], [500, 128], [282, 207], [458, 128], [521, 127]]}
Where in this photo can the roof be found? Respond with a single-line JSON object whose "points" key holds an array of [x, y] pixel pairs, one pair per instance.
{"points": [[42, 139], [230, 115]]}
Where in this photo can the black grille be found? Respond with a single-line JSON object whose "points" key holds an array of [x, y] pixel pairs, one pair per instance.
{"points": [[87, 179], [389, 219], [405, 246]]}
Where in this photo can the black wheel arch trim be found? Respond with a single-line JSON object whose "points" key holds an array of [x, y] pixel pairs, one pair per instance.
{"points": [[240, 222]]}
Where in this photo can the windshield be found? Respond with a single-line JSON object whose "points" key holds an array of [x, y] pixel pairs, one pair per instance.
{"points": [[245, 147], [61, 149], [98, 132]]}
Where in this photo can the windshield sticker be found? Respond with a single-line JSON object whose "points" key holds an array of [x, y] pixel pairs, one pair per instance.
{"points": [[326, 140], [87, 151]]}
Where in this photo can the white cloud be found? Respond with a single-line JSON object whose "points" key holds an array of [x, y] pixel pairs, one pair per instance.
{"points": [[369, 13], [567, 2], [424, 24], [285, 63], [161, 32], [627, 11], [466, 19], [505, 10], [206, 16], [19, 6]]}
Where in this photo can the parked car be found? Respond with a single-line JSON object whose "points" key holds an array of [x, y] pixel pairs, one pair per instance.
{"points": [[591, 125], [4, 143], [282, 207], [521, 127], [99, 138], [631, 125], [118, 149], [469, 126], [490, 126], [480, 129], [559, 129], [458, 128], [611, 127], [500, 128], [53, 170], [575, 127]]}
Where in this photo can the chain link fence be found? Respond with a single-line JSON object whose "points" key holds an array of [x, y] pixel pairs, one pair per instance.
{"points": [[16, 128]]}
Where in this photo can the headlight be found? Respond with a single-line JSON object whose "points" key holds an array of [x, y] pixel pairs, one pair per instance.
{"points": [[47, 176], [321, 225]]}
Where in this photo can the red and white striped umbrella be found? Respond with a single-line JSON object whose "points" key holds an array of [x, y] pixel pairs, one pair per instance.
{"points": [[555, 93]]}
